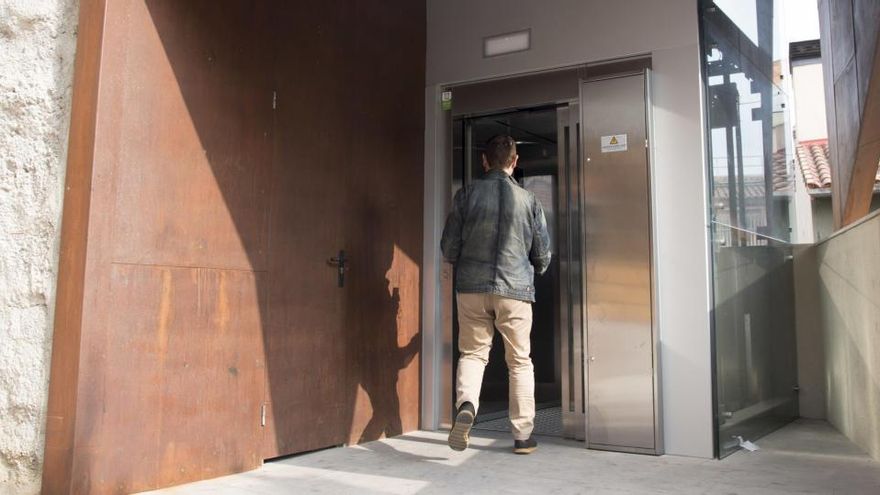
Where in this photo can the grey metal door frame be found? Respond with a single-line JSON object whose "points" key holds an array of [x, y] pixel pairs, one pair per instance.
{"points": [[571, 262]]}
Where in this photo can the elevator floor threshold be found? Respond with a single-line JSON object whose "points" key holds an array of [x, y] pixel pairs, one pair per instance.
{"points": [[547, 422]]}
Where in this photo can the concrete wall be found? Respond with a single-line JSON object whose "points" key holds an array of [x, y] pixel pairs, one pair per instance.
{"points": [[848, 293], [37, 44], [823, 217], [567, 32]]}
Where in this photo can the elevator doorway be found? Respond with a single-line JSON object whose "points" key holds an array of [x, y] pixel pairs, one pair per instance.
{"points": [[584, 147], [546, 144]]}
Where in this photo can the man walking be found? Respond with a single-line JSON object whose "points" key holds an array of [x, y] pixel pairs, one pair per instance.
{"points": [[496, 236]]}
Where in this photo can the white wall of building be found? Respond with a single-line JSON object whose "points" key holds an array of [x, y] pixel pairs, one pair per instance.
{"points": [[570, 32], [808, 91], [37, 44]]}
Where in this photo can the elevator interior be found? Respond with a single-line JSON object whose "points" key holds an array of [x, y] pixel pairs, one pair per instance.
{"points": [[536, 135], [582, 136]]}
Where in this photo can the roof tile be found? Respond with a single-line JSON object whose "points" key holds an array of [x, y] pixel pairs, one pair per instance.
{"points": [[814, 158]]}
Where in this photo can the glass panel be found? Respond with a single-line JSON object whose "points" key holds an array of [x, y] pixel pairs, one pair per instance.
{"points": [[752, 211]]}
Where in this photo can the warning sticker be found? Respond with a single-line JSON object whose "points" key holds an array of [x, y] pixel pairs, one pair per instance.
{"points": [[613, 143]]}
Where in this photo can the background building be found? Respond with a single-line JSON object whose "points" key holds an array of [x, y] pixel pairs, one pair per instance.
{"points": [[811, 132]]}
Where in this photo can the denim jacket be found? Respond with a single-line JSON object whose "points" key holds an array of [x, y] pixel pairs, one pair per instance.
{"points": [[496, 235]]}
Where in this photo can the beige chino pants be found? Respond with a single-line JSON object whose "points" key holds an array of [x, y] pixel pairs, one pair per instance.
{"points": [[478, 317]]}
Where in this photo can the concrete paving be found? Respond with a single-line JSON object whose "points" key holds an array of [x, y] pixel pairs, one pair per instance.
{"points": [[804, 457]]}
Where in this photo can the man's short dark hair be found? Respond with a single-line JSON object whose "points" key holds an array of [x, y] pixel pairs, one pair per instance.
{"points": [[500, 151]]}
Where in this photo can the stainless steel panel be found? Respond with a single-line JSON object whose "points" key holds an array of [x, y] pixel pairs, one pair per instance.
{"points": [[570, 275], [531, 90], [620, 339], [536, 89]]}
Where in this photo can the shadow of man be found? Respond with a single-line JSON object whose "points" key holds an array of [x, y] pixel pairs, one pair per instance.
{"points": [[380, 382], [377, 324]]}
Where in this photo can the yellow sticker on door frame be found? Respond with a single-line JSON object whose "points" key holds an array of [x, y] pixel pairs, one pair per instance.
{"points": [[613, 143]]}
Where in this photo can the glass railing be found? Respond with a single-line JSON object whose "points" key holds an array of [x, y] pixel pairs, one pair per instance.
{"points": [[755, 364]]}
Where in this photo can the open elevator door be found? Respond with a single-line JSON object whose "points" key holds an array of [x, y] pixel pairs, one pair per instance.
{"points": [[603, 292], [621, 337], [547, 139]]}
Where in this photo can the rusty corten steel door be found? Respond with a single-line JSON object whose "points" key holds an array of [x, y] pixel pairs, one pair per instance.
{"points": [[346, 177], [306, 392], [238, 146]]}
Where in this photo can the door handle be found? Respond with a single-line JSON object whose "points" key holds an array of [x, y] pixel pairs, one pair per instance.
{"points": [[340, 263]]}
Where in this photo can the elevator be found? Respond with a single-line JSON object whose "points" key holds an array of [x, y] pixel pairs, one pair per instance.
{"points": [[582, 136]]}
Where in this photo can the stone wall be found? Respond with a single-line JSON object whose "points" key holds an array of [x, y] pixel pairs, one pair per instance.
{"points": [[37, 45]]}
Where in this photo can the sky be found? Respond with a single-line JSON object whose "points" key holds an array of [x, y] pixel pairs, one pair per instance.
{"points": [[801, 20]]}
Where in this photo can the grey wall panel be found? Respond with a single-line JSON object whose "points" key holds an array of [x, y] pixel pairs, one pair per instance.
{"points": [[681, 243], [564, 32]]}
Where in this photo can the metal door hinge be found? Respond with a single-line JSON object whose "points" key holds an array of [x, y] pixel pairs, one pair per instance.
{"points": [[274, 100], [263, 414]]}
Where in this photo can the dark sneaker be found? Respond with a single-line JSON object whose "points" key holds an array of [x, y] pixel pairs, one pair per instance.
{"points": [[459, 436], [524, 447]]}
